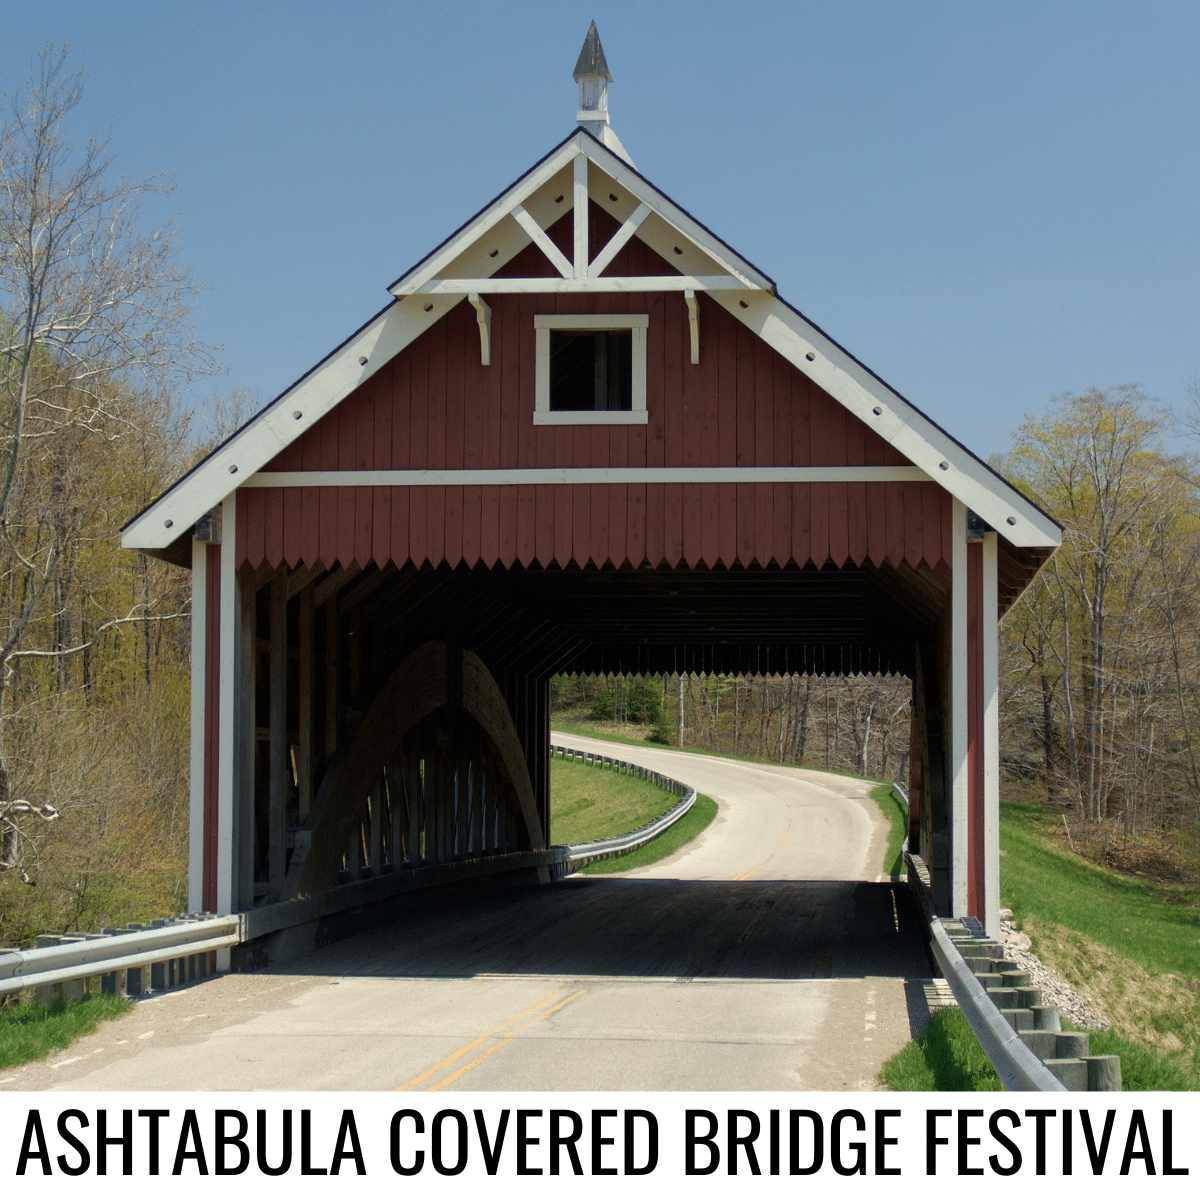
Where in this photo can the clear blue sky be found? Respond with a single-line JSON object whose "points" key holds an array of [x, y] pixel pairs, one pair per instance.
{"points": [[986, 203]]}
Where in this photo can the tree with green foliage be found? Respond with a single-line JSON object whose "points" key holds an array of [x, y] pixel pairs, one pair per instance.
{"points": [[1102, 649], [93, 337]]}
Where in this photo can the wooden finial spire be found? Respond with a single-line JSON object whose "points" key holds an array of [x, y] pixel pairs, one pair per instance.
{"points": [[591, 60], [593, 76]]}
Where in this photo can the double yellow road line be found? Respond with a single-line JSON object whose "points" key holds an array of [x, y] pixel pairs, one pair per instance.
{"points": [[498, 1044], [779, 845]]}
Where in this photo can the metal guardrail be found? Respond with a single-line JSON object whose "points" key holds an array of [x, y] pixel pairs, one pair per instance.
{"points": [[583, 854], [270, 918], [80, 956], [83, 955], [1020, 1070]]}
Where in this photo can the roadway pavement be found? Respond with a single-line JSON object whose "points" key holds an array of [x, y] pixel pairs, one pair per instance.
{"points": [[769, 954]]}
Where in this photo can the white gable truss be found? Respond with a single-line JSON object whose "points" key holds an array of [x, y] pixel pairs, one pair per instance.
{"points": [[578, 169]]}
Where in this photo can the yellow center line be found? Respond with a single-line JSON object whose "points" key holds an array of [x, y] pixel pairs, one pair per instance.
{"points": [[483, 1037], [437, 1087], [744, 875]]}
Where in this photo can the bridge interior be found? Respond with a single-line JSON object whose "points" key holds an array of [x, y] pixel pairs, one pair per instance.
{"points": [[330, 645]]}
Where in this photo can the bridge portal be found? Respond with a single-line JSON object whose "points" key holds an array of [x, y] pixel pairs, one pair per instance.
{"points": [[583, 435]]}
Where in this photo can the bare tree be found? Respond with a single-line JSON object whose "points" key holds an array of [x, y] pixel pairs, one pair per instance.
{"points": [[93, 324]]}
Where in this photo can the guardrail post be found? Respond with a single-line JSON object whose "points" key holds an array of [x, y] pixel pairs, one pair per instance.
{"points": [[112, 983]]}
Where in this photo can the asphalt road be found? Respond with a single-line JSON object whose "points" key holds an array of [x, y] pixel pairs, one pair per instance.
{"points": [[769, 954]]}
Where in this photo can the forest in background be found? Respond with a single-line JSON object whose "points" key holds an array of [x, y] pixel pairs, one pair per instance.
{"points": [[95, 344]]}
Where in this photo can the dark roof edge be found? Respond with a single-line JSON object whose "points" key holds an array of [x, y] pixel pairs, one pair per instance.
{"points": [[945, 433], [260, 413], [479, 213]]}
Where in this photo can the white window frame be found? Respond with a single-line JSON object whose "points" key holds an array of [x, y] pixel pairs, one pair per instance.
{"points": [[636, 323]]}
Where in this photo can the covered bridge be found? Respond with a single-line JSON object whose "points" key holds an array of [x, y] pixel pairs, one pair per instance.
{"points": [[584, 434]]}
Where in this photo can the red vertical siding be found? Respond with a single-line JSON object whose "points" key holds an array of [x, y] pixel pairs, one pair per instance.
{"points": [[436, 406], [672, 523]]}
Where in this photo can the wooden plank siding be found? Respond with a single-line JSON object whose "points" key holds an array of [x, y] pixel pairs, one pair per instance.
{"points": [[435, 406]]}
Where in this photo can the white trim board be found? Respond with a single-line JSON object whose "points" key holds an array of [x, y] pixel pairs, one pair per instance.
{"points": [[592, 416], [278, 425], [544, 323], [585, 475], [990, 631], [198, 740], [608, 283], [227, 710], [959, 716]]}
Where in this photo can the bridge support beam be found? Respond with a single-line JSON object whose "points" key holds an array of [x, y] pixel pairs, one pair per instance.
{"points": [[990, 702], [196, 758], [975, 734], [431, 678]]}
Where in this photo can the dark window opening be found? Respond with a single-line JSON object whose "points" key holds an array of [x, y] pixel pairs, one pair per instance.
{"points": [[591, 371]]}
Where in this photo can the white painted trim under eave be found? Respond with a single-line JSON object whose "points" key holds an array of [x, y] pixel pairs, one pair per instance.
{"points": [[508, 285], [743, 274], [585, 475], [495, 212], [624, 175], [278, 425], [894, 419]]}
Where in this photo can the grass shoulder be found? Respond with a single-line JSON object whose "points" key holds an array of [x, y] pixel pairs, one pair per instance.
{"points": [[694, 822], [589, 802], [894, 810], [1131, 944], [32, 1030], [948, 1058]]}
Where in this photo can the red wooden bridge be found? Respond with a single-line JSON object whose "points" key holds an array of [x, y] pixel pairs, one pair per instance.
{"points": [[584, 434]]}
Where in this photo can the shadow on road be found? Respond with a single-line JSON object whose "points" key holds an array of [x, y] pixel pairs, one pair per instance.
{"points": [[637, 928]]}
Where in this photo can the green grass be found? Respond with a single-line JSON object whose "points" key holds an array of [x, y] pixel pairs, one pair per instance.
{"points": [[1132, 943], [32, 1030], [589, 802], [945, 1058], [693, 822], [893, 809], [1143, 1068], [1156, 925]]}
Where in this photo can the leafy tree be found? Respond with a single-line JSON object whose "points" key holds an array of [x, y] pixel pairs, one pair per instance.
{"points": [[1102, 645], [93, 335]]}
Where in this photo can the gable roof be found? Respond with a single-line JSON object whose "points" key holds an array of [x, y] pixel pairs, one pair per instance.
{"points": [[579, 169]]}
